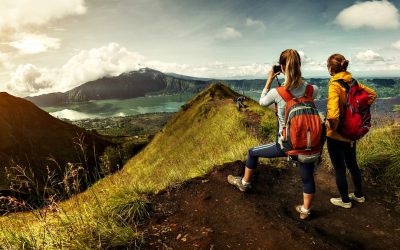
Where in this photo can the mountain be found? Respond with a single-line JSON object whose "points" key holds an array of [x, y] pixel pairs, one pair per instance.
{"points": [[127, 85], [29, 137], [135, 84]]}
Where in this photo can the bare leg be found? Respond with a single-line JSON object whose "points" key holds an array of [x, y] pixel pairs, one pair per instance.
{"points": [[248, 173], [307, 200]]}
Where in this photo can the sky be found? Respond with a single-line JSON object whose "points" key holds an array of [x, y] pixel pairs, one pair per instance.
{"points": [[50, 46]]}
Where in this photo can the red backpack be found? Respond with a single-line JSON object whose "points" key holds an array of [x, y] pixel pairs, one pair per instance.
{"points": [[355, 120], [302, 133]]}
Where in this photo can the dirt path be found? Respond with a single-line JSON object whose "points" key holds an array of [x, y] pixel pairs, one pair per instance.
{"points": [[208, 213]]}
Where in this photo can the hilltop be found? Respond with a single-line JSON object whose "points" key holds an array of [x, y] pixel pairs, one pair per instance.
{"points": [[32, 139], [174, 193]]}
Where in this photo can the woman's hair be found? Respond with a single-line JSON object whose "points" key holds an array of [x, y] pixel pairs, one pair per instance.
{"points": [[291, 63], [338, 63]]}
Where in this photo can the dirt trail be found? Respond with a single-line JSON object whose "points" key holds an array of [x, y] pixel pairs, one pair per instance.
{"points": [[208, 213]]}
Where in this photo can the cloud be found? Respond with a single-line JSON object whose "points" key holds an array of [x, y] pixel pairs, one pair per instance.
{"points": [[304, 59], [22, 23], [396, 45], [4, 61], [112, 60], [29, 79], [19, 14], [372, 14], [369, 56], [223, 70], [229, 33], [255, 23], [33, 43], [87, 65]]}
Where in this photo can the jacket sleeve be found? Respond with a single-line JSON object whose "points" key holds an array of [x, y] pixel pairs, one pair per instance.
{"points": [[370, 92], [268, 97], [333, 108]]}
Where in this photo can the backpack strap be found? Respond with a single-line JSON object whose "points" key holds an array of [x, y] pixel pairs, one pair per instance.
{"points": [[354, 82], [344, 84], [284, 93], [309, 91]]}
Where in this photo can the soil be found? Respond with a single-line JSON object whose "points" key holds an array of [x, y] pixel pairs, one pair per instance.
{"points": [[209, 213]]}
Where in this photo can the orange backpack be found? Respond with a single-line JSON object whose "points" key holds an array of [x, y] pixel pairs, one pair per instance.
{"points": [[302, 133]]}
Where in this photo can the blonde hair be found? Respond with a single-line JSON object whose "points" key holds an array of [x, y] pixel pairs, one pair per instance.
{"points": [[291, 63], [338, 63]]}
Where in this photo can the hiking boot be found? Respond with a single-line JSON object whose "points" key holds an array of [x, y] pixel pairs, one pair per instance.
{"points": [[338, 202], [303, 215], [237, 182], [353, 197]]}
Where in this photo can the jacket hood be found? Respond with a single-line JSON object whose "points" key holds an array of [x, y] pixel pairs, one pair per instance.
{"points": [[346, 76]]}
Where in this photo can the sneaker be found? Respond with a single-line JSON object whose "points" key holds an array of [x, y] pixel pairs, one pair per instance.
{"points": [[353, 197], [340, 203], [303, 215], [237, 182]]}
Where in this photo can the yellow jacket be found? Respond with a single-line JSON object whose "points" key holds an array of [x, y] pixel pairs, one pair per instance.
{"points": [[337, 101]]}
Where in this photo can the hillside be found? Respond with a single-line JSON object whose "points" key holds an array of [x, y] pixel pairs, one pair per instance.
{"points": [[154, 203], [34, 140]]}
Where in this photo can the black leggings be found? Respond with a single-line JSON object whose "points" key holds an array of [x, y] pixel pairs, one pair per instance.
{"points": [[343, 154], [273, 150]]}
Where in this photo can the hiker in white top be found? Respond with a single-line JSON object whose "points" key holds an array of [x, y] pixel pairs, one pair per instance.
{"points": [[290, 63]]}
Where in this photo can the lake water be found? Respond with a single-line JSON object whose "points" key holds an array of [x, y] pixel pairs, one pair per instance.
{"points": [[112, 108], [162, 103]]}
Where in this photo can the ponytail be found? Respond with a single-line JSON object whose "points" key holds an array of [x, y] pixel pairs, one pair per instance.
{"points": [[291, 63]]}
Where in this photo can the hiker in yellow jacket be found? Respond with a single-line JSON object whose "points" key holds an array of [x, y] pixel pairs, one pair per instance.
{"points": [[342, 150]]}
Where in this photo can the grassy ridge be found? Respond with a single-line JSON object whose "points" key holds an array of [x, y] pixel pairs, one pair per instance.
{"points": [[206, 132]]}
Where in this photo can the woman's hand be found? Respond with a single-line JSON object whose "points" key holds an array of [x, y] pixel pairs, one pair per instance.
{"points": [[270, 77]]}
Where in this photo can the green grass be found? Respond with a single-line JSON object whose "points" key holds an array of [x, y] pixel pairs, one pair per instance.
{"points": [[207, 133], [379, 154]]}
